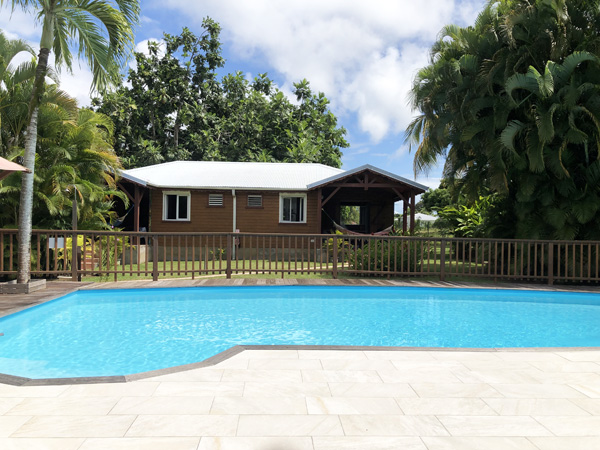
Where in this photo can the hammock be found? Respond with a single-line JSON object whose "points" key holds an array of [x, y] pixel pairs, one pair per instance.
{"points": [[119, 220], [354, 233]]}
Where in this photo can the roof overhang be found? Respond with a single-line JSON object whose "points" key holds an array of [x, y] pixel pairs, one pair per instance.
{"points": [[413, 185], [7, 167]]}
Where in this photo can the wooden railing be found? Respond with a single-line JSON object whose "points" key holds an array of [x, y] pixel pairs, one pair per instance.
{"points": [[124, 255]]}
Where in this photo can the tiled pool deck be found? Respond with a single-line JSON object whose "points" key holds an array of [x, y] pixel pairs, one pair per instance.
{"points": [[297, 399]]}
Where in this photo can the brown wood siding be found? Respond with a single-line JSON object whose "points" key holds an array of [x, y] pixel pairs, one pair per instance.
{"points": [[220, 219]]}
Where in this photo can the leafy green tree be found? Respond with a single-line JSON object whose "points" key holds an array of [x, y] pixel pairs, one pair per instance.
{"points": [[434, 200], [104, 35], [177, 108], [513, 104]]}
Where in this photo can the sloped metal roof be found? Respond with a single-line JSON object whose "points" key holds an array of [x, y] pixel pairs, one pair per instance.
{"points": [[230, 175], [385, 173]]}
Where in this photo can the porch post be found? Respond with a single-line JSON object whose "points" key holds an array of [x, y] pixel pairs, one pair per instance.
{"points": [[319, 210], [137, 199], [412, 213], [404, 216]]}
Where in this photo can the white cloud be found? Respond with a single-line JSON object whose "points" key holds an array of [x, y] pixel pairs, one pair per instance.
{"points": [[363, 55]]}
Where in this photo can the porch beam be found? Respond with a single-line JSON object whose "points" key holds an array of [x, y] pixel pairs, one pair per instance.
{"points": [[129, 196], [335, 191], [397, 192], [362, 185]]}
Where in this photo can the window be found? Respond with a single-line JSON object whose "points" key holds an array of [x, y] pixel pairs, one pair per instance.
{"points": [[254, 201], [176, 206], [215, 199], [292, 208]]}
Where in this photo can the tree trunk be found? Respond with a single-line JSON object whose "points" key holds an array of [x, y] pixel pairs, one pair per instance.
{"points": [[26, 201]]}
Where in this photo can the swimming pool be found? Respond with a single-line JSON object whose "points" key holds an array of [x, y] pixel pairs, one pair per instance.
{"points": [[120, 332]]}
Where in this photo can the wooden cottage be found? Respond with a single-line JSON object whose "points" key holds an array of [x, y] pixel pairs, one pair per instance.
{"points": [[253, 197]]}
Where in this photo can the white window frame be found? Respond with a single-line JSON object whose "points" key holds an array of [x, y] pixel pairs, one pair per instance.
{"points": [[282, 197], [178, 194]]}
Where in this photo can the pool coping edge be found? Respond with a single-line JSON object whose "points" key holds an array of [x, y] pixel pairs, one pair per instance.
{"points": [[14, 380]]}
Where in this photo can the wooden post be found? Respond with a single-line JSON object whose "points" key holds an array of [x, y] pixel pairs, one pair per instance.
{"points": [[229, 250], [442, 260], [335, 257], [319, 210], [550, 263], [404, 217], [412, 213], [73, 255], [154, 258]]}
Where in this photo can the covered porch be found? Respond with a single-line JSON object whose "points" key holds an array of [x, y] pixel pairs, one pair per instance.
{"points": [[362, 201]]}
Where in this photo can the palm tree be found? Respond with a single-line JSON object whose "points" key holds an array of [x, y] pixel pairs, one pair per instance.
{"points": [[103, 31]]}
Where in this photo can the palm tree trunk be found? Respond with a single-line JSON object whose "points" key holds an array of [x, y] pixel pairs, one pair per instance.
{"points": [[26, 201]]}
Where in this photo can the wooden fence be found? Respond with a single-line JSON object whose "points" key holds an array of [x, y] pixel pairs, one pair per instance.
{"points": [[123, 255]]}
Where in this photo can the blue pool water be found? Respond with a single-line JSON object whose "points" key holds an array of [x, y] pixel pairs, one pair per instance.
{"points": [[97, 333]]}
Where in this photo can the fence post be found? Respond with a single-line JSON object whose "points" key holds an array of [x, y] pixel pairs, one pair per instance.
{"points": [[550, 263], [442, 260], [74, 266], [229, 250], [154, 258], [335, 257]]}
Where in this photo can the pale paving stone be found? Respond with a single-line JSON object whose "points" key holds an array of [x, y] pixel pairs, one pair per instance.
{"points": [[331, 354], [566, 443], [383, 390], [258, 405], [255, 443], [75, 426], [399, 355], [568, 366], [279, 354], [356, 364], [571, 426], [591, 390], [289, 425], [479, 443], [183, 425], [10, 424], [64, 406], [530, 356], [418, 376], [592, 355], [41, 444], [464, 356], [141, 444], [7, 391], [266, 389], [537, 391], [392, 425], [535, 407], [189, 375], [428, 365], [283, 364], [198, 389], [591, 405], [568, 378], [233, 363], [500, 365], [291, 376], [493, 426], [444, 407], [111, 390], [6, 404], [354, 376], [370, 443], [454, 390], [499, 376], [348, 405], [163, 405]]}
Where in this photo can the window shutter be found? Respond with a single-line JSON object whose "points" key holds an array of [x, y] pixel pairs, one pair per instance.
{"points": [[255, 201], [215, 199]]}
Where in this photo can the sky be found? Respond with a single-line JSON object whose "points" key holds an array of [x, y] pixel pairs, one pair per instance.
{"points": [[362, 54]]}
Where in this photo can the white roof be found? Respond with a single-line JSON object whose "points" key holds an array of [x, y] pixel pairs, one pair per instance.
{"points": [[373, 169], [230, 175]]}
